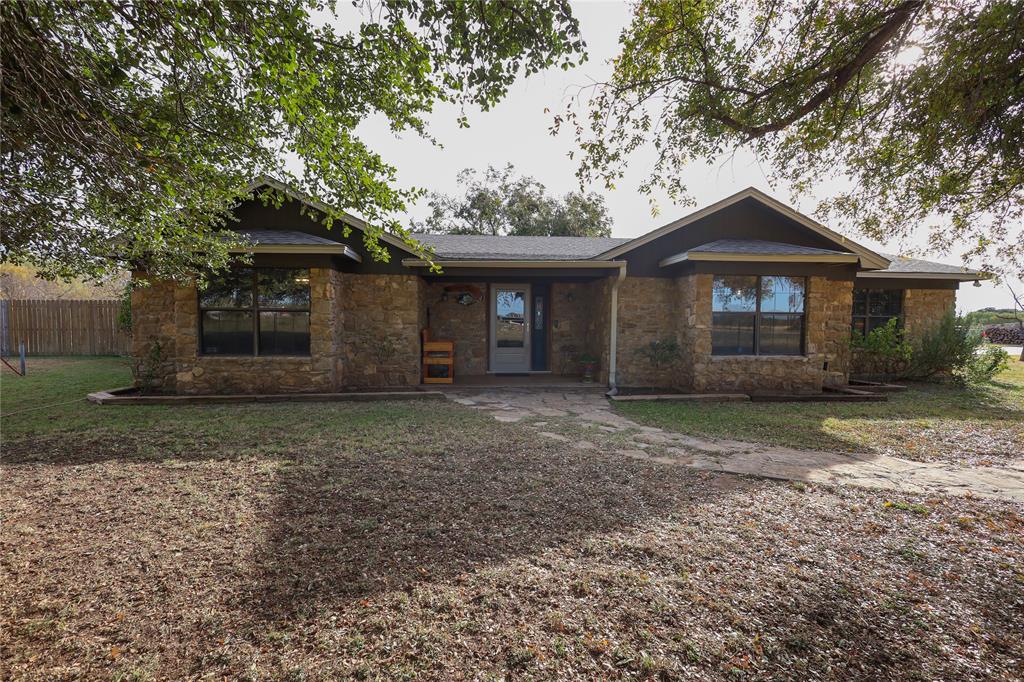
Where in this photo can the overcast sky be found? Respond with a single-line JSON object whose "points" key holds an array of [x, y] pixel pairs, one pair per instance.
{"points": [[517, 132]]}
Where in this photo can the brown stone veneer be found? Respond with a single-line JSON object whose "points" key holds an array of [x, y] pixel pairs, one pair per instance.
{"points": [[364, 332], [654, 309], [380, 321], [923, 309], [465, 325]]}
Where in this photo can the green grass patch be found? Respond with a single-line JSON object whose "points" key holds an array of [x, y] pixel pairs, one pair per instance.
{"points": [[978, 425]]}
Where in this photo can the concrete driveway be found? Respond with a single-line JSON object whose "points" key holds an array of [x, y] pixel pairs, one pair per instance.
{"points": [[586, 420]]}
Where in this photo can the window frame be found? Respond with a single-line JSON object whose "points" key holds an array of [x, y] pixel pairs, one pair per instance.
{"points": [[757, 321], [867, 316], [255, 309]]}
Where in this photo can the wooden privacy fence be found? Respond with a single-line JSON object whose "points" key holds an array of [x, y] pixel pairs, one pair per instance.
{"points": [[62, 327]]}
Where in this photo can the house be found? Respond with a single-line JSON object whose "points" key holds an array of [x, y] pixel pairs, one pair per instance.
{"points": [[755, 296]]}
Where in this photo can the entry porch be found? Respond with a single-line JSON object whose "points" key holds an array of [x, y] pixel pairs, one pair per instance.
{"points": [[521, 331]]}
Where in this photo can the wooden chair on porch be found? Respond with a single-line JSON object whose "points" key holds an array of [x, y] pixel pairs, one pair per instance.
{"points": [[438, 360]]}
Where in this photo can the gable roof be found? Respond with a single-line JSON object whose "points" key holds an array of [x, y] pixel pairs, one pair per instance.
{"points": [[868, 258], [487, 247], [349, 219]]}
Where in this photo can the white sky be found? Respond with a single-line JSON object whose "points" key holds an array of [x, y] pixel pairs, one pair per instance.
{"points": [[517, 131]]}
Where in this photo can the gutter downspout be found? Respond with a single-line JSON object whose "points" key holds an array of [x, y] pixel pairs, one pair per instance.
{"points": [[613, 341]]}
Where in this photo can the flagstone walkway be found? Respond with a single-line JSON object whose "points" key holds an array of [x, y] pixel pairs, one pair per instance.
{"points": [[586, 419]]}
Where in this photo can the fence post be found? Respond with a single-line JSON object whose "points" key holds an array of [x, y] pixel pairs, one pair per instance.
{"points": [[21, 356]]}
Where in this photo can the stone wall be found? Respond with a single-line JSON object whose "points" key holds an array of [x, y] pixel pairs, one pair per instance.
{"points": [[681, 309], [380, 318], [829, 310], [575, 319], [204, 374], [153, 335], [924, 308], [364, 332], [648, 311], [827, 314], [465, 325]]}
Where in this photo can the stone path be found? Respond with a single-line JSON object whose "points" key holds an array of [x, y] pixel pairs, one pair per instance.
{"points": [[585, 419]]}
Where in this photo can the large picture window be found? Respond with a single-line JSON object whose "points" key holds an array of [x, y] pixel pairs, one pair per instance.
{"points": [[873, 308], [256, 311], [757, 315]]}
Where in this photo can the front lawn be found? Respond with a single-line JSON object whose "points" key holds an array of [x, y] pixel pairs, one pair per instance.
{"points": [[928, 422], [401, 540]]}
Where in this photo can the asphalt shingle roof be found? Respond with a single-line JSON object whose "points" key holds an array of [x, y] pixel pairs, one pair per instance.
{"points": [[758, 247], [286, 237], [485, 247], [901, 264]]}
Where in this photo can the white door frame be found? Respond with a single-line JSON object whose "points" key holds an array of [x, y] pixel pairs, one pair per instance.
{"points": [[509, 360]]}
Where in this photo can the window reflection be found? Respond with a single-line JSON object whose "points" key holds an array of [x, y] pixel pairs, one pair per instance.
{"points": [[510, 322]]}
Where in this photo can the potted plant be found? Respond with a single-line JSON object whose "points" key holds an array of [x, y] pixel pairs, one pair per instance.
{"points": [[588, 363]]}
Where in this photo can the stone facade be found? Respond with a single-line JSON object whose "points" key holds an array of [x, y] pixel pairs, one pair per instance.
{"points": [[579, 326], [364, 332], [664, 309], [465, 325], [924, 308], [648, 312], [153, 335], [380, 319]]}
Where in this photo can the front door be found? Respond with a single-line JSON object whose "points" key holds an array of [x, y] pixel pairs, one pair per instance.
{"points": [[510, 328]]}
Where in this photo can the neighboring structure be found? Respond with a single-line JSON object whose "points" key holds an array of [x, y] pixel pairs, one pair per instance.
{"points": [[744, 295]]}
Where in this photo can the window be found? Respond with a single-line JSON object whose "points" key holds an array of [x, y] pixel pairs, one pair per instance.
{"points": [[757, 315], [256, 311], [873, 308]]}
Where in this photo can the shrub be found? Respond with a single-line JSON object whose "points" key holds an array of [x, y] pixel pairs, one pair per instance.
{"points": [[946, 349], [882, 350], [984, 366], [661, 354]]}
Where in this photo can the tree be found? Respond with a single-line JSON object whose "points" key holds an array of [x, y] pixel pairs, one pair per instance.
{"points": [[131, 128], [502, 203], [919, 105]]}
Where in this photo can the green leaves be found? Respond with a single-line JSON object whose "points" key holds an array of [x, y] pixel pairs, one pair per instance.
{"points": [[502, 203], [827, 90], [130, 130]]}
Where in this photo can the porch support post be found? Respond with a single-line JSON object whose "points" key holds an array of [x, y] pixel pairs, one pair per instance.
{"points": [[613, 341]]}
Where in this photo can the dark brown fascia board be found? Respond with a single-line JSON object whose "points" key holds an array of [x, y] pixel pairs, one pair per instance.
{"points": [[539, 264]]}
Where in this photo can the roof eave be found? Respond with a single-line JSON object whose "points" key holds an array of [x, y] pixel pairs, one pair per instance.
{"points": [[757, 258], [959, 276], [333, 249], [539, 264]]}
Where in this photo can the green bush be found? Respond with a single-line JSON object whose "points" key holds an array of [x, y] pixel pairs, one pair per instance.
{"points": [[661, 354], [984, 366], [882, 350], [945, 350]]}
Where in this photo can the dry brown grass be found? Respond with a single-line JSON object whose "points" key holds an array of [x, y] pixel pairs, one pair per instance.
{"points": [[375, 541]]}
